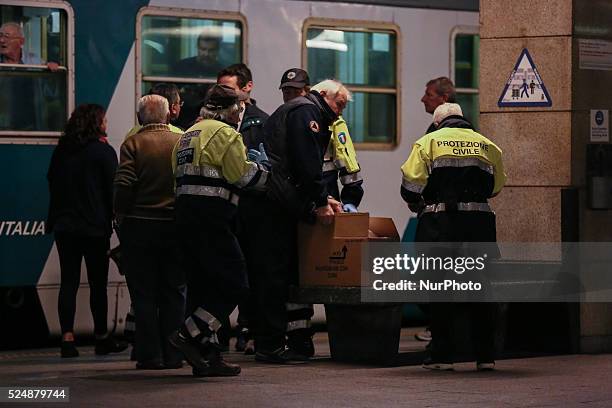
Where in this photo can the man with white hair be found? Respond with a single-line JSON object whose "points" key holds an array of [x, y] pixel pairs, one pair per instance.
{"points": [[296, 136], [144, 205], [11, 47], [448, 178]]}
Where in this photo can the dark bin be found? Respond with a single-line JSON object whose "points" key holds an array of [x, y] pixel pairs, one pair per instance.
{"points": [[367, 333]]}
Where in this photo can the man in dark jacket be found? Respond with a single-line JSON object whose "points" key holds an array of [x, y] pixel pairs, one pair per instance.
{"points": [[297, 135], [449, 188], [249, 227]]}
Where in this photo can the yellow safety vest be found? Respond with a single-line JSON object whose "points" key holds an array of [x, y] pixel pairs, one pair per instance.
{"points": [[137, 128], [214, 153], [341, 153], [452, 147]]}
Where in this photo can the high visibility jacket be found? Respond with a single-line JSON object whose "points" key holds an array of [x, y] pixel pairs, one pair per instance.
{"points": [[209, 160], [340, 161], [453, 164], [137, 128]]}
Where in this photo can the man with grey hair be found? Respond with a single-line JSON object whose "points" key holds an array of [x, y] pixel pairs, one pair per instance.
{"points": [[144, 207], [448, 178], [11, 47]]}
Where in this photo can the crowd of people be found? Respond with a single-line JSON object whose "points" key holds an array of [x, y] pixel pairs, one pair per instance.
{"points": [[207, 217]]}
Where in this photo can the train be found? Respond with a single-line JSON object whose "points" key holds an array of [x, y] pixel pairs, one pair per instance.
{"points": [[111, 52]]}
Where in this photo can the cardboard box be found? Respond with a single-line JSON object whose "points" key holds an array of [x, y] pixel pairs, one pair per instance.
{"points": [[330, 255]]}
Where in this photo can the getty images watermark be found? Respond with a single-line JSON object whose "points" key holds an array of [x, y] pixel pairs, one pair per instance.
{"points": [[486, 272], [404, 263]]}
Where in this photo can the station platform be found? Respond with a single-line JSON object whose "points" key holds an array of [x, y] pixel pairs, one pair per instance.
{"points": [[112, 381]]}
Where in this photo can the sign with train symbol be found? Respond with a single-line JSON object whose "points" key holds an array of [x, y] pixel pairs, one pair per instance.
{"points": [[524, 87]]}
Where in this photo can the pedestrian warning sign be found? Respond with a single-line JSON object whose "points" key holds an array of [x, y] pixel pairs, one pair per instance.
{"points": [[524, 86]]}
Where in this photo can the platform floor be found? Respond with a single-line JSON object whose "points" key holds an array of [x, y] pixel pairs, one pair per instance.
{"points": [[568, 381]]}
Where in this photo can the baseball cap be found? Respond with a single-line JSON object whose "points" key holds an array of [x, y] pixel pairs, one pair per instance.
{"points": [[222, 97], [295, 78]]}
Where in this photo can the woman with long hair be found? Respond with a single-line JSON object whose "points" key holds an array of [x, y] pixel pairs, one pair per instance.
{"points": [[80, 180]]}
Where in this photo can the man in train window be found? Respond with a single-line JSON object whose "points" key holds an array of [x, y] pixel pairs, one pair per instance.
{"points": [[11, 48], [205, 64]]}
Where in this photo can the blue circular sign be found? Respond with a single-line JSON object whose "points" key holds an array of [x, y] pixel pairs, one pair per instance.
{"points": [[599, 118]]}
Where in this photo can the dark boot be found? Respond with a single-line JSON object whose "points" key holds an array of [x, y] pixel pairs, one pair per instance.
{"points": [[109, 345], [189, 348], [217, 367]]}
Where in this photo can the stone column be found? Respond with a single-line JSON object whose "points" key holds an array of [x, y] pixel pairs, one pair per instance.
{"points": [[544, 147]]}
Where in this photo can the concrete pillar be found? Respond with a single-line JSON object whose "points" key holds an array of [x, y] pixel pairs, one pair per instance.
{"points": [[545, 147]]}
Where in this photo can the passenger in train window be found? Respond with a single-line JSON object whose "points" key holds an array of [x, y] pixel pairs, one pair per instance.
{"points": [[204, 65], [171, 93], [297, 134], [252, 121], [11, 48], [144, 205], [438, 91], [80, 179], [450, 189]]}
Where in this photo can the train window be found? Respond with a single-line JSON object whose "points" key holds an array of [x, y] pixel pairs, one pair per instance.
{"points": [[465, 54], [364, 57], [188, 50], [34, 62]]}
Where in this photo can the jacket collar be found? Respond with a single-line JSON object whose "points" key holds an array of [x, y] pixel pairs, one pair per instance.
{"points": [[319, 101], [455, 121]]}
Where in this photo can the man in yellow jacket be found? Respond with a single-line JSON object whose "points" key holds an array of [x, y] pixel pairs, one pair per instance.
{"points": [[448, 178], [211, 168]]}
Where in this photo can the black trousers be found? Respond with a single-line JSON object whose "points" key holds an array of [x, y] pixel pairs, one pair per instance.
{"points": [[250, 228], [212, 258], [157, 286], [72, 249], [277, 252], [461, 226]]}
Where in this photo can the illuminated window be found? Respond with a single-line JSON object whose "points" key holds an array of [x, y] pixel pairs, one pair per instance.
{"points": [[188, 51], [364, 58], [35, 100], [465, 54]]}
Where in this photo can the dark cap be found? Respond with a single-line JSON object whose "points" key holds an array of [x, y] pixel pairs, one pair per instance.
{"points": [[222, 97], [295, 78]]}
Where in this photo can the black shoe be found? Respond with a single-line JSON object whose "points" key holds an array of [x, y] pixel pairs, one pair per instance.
{"points": [[281, 355], [149, 365], [109, 345], [173, 365], [68, 350], [242, 339], [190, 350], [217, 368], [303, 347]]}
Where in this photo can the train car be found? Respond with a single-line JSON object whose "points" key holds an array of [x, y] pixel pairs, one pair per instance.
{"points": [[111, 52]]}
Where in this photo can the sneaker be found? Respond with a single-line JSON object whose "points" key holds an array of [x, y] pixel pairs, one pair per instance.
{"points": [[249, 348], [242, 339], [109, 345], [485, 366], [304, 347], [68, 349], [429, 364], [190, 350], [217, 368], [423, 336], [281, 355]]}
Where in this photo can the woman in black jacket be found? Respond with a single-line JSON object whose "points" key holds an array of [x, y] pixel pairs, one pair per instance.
{"points": [[80, 179]]}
